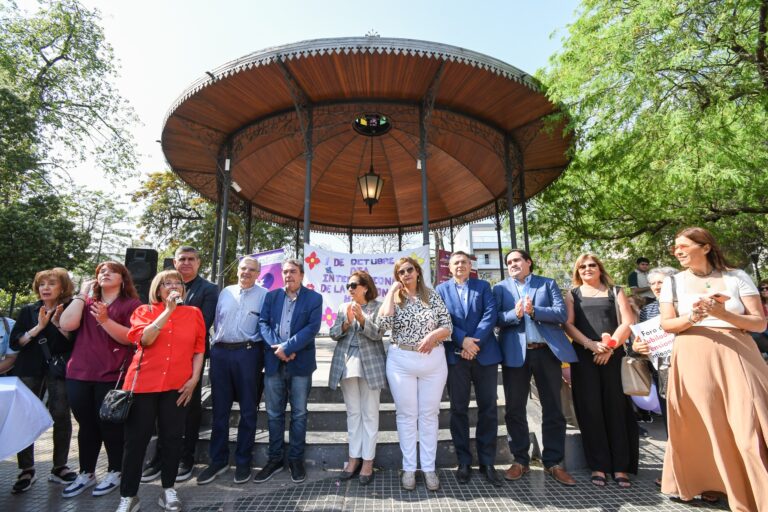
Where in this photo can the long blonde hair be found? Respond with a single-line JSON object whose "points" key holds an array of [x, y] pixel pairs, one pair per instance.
{"points": [[422, 290]]}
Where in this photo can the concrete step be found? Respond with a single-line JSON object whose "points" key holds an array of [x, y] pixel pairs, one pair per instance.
{"points": [[332, 416]]}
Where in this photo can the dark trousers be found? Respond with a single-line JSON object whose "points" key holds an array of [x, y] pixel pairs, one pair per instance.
{"points": [[545, 368], [609, 430], [461, 377], [191, 429], [58, 406], [235, 376], [148, 408]]}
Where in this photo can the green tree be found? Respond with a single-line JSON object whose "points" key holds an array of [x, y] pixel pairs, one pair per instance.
{"points": [[175, 215], [668, 106], [57, 70], [37, 234]]}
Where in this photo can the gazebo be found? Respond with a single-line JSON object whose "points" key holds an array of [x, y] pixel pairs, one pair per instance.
{"points": [[298, 134]]}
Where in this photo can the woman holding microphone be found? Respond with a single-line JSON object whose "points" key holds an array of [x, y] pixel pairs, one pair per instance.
{"points": [[416, 366], [170, 339]]}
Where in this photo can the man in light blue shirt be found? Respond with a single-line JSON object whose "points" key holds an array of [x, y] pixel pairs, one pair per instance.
{"points": [[237, 360]]}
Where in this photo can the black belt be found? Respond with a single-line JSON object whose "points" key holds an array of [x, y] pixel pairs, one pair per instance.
{"points": [[234, 346], [534, 346]]}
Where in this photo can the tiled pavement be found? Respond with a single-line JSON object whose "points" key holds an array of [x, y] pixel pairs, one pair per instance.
{"points": [[324, 492]]}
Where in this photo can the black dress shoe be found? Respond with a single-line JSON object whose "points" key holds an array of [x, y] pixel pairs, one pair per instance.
{"points": [[463, 473], [366, 479], [491, 475], [347, 475]]}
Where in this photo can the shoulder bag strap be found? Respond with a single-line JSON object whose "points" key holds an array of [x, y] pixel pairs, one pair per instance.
{"points": [[136, 373], [615, 291]]}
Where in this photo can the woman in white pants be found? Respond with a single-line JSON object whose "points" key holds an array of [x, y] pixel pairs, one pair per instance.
{"points": [[358, 366], [416, 366]]}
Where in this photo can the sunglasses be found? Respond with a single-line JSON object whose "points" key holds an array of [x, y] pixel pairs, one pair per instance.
{"points": [[587, 265], [763, 288], [407, 270], [352, 286], [683, 247]]}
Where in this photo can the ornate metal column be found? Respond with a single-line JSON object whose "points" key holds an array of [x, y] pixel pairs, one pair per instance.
{"points": [[425, 113], [502, 263], [248, 226], [226, 183], [510, 189]]}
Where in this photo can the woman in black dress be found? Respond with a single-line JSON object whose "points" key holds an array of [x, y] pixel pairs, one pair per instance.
{"points": [[599, 316]]}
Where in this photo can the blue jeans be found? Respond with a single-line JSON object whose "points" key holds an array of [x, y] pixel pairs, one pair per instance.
{"points": [[234, 378], [280, 388]]}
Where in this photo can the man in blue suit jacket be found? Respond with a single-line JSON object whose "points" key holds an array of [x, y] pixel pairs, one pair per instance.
{"points": [[530, 312], [473, 356], [289, 322]]}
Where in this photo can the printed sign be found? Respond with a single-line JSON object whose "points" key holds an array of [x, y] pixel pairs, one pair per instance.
{"points": [[271, 276], [659, 341], [327, 273]]}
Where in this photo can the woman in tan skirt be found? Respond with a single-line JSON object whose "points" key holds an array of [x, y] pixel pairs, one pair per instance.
{"points": [[718, 382]]}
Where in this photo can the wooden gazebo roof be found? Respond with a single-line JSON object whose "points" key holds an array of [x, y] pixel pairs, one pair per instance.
{"points": [[481, 104]]}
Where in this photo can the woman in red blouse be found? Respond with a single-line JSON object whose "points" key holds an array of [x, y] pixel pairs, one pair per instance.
{"points": [[166, 369]]}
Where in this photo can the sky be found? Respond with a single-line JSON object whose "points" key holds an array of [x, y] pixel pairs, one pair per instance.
{"points": [[165, 45]]}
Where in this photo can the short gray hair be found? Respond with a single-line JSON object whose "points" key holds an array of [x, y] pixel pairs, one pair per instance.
{"points": [[186, 248], [296, 263], [664, 271], [250, 258]]}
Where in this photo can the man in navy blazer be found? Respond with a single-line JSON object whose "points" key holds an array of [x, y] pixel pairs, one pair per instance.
{"points": [[473, 356], [530, 312], [290, 320]]}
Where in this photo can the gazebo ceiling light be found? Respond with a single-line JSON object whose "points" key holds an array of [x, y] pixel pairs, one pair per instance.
{"points": [[370, 184], [372, 124]]}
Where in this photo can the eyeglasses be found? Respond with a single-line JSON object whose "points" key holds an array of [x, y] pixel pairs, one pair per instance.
{"points": [[172, 284], [352, 286], [683, 247], [407, 270], [585, 265], [763, 288]]}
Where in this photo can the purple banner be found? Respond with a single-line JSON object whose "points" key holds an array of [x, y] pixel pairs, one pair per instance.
{"points": [[271, 276]]}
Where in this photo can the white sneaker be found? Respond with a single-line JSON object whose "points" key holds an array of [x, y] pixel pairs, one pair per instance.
{"points": [[109, 483], [431, 480], [81, 483], [169, 500], [408, 480], [129, 505]]}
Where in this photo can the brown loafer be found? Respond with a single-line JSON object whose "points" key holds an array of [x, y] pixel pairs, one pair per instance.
{"points": [[561, 475], [516, 471]]}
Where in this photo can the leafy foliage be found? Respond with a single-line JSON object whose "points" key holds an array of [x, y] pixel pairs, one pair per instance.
{"points": [[57, 69], [176, 215], [668, 102]]}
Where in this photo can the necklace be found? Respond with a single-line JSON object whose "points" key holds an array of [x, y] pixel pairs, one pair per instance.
{"points": [[596, 290], [707, 283]]}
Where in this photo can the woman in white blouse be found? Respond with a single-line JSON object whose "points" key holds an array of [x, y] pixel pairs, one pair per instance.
{"points": [[416, 366], [717, 396]]}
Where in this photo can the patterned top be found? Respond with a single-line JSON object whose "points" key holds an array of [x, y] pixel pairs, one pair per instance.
{"points": [[414, 320]]}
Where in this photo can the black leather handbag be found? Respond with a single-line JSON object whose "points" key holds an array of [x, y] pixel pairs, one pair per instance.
{"points": [[117, 402]]}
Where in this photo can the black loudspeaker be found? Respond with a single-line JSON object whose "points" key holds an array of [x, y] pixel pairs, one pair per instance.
{"points": [[142, 264], [168, 264]]}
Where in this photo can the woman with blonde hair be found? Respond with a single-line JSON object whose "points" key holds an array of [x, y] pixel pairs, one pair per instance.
{"points": [[717, 395], [599, 316], [416, 366], [43, 350], [170, 339], [358, 367]]}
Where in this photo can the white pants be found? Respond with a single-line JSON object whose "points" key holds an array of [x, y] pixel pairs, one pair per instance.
{"points": [[362, 417], [417, 381]]}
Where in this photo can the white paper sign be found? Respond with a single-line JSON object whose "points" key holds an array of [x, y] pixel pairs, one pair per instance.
{"points": [[659, 341], [327, 273]]}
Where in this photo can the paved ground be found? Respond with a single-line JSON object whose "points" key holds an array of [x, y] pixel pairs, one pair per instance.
{"points": [[324, 492]]}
